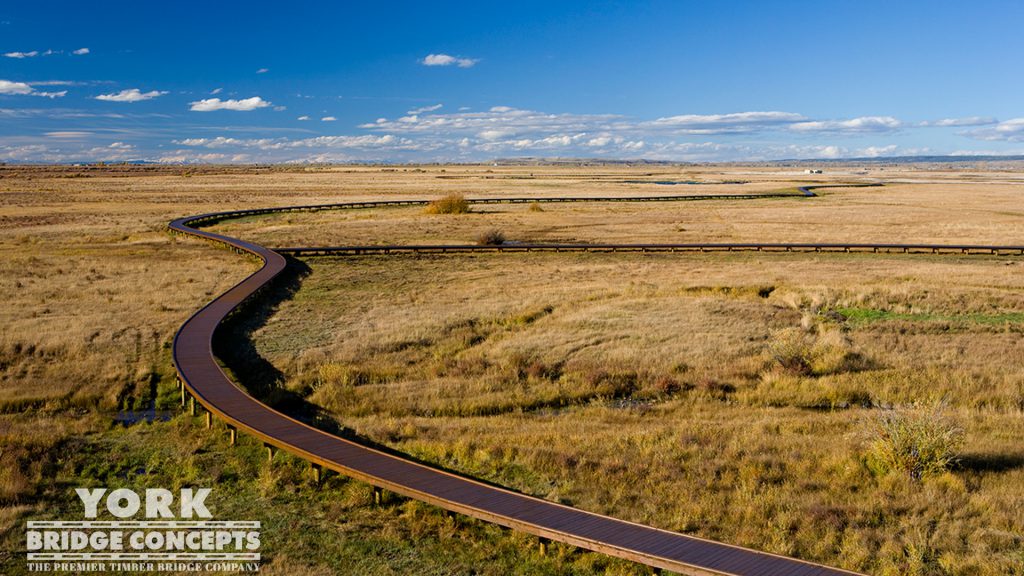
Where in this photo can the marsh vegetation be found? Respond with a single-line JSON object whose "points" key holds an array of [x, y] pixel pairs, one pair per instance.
{"points": [[858, 410]]}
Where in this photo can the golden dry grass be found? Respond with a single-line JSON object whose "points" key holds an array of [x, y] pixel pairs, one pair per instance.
{"points": [[637, 385]]}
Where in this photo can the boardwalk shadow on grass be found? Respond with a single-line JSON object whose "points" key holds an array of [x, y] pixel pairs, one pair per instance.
{"points": [[233, 345], [988, 462]]}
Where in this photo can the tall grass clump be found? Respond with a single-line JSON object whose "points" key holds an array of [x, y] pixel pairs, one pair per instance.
{"points": [[450, 204], [913, 441], [492, 237], [807, 353]]}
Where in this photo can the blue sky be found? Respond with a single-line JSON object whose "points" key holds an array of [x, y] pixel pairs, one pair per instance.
{"points": [[472, 81]]}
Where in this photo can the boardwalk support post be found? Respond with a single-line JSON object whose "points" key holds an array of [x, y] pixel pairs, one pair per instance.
{"points": [[378, 496], [317, 472], [542, 546], [232, 435], [270, 452], [209, 419], [191, 406]]}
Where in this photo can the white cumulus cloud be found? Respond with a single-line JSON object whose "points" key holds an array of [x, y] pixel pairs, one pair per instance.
{"points": [[244, 105], [328, 119], [131, 95], [303, 118], [81, 52], [448, 60], [20, 55], [8, 87], [22, 89]]}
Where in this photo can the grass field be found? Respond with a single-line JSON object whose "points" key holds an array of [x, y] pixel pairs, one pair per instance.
{"points": [[649, 387]]}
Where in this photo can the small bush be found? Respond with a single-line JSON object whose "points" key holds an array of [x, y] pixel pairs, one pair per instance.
{"points": [[535, 207], [538, 370], [714, 388], [801, 352], [611, 384], [790, 349], [915, 442], [666, 385], [492, 237], [831, 354], [450, 204]]}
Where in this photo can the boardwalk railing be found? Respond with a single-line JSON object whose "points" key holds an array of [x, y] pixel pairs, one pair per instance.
{"points": [[201, 377]]}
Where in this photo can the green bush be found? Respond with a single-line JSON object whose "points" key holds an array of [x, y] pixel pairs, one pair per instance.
{"points": [[916, 442], [450, 204]]}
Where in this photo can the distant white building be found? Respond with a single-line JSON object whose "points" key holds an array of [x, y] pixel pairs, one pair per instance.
{"points": [[813, 171]]}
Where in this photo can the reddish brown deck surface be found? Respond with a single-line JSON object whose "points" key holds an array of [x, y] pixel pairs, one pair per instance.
{"points": [[201, 375]]}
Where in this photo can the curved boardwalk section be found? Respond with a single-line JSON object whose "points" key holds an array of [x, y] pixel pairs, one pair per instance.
{"points": [[202, 377]]}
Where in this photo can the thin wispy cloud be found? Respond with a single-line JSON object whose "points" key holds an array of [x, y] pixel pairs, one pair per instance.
{"points": [[49, 52], [499, 122], [56, 83], [130, 95], [962, 122], [216, 91], [448, 60], [863, 124], [51, 95], [69, 134], [328, 119], [212, 104], [303, 118], [734, 123], [1005, 131], [433, 108], [267, 144], [263, 70]]}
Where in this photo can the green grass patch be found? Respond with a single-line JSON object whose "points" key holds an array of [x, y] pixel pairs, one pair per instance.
{"points": [[871, 315]]}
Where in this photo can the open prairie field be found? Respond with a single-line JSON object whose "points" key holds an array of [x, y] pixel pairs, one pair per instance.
{"points": [[859, 410]]}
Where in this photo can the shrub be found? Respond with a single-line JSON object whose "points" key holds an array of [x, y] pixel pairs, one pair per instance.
{"points": [[492, 237], [535, 207], [800, 352], [714, 388], [666, 385], [831, 354], [790, 349], [450, 204], [916, 442]]}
